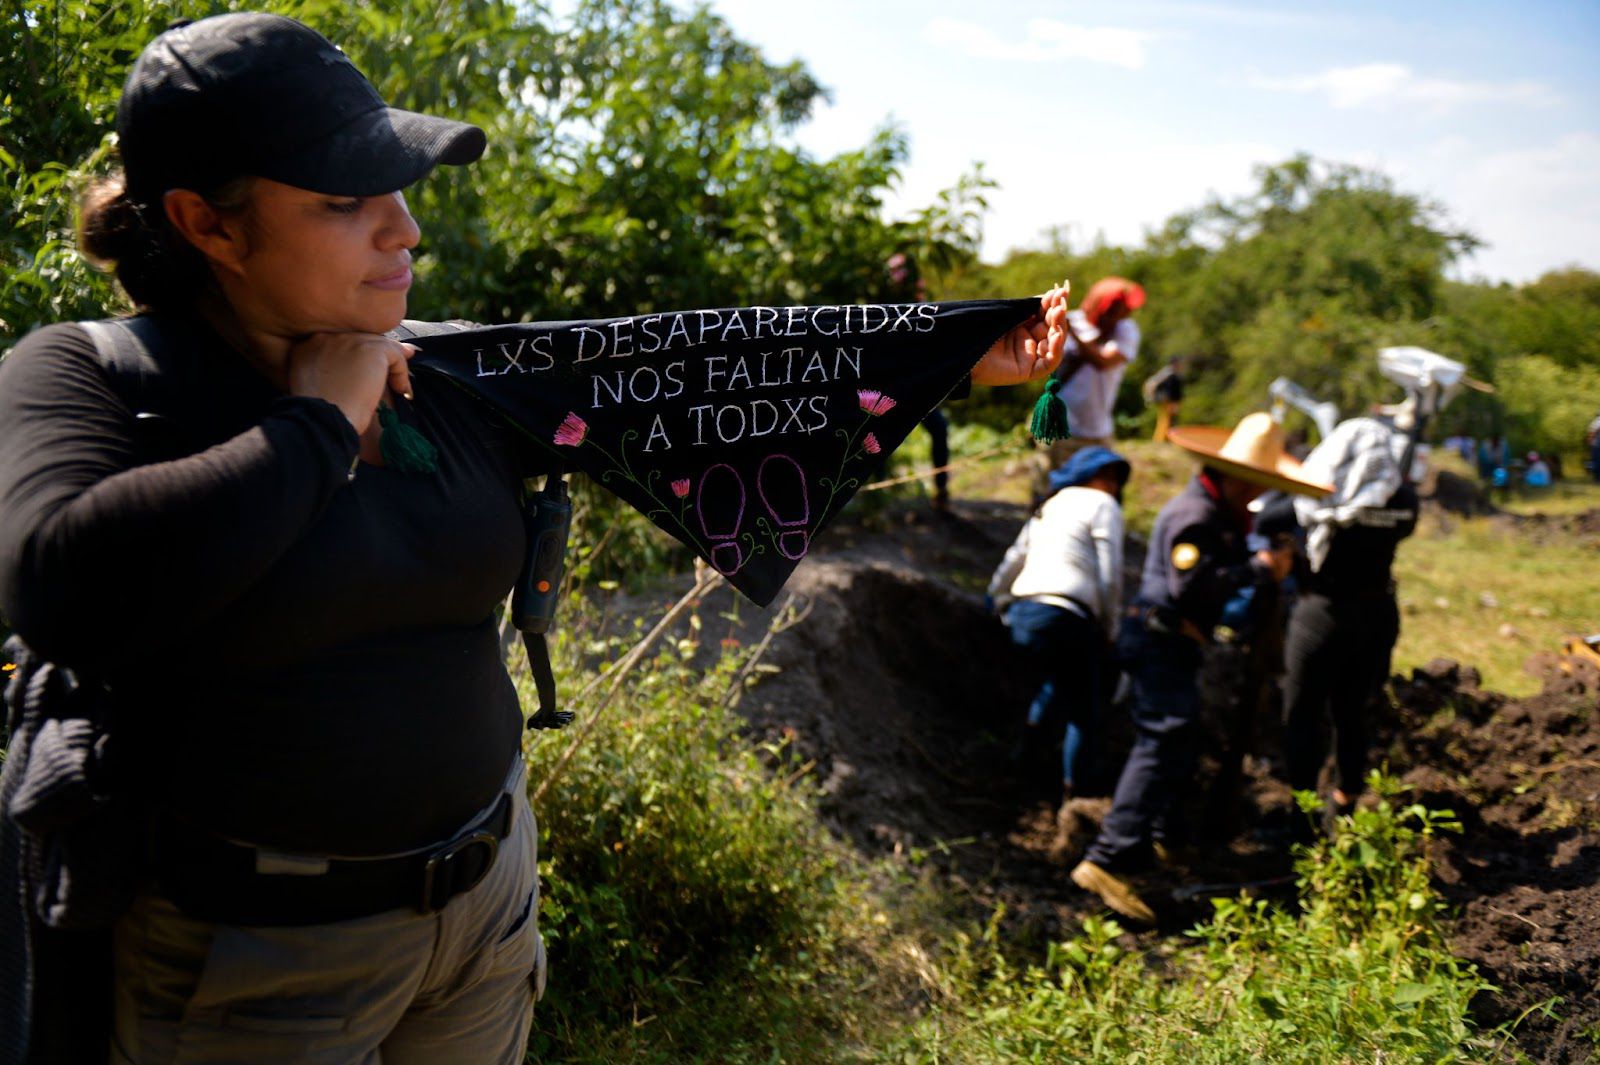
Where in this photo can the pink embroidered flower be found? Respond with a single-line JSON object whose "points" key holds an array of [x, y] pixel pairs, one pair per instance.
{"points": [[874, 402], [870, 442], [681, 488], [572, 431]]}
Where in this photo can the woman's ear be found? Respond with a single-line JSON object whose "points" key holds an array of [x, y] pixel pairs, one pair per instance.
{"points": [[219, 238]]}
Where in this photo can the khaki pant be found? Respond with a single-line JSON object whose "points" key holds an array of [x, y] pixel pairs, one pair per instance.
{"points": [[396, 988]]}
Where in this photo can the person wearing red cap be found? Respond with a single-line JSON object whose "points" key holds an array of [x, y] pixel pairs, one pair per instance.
{"points": [[1104, 339]]}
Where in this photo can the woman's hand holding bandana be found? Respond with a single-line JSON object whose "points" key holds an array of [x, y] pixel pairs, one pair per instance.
{"points": [[1032, 349]]}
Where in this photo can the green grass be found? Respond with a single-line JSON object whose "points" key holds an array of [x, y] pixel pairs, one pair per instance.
{"points": [[1488, 595], [1359, 973], [1561, 499]]}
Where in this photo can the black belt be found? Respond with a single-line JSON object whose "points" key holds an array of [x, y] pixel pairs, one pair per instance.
{"points": [[218, 879]]}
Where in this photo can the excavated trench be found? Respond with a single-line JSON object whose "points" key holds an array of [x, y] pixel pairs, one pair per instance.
{"points": [[905, 695]]}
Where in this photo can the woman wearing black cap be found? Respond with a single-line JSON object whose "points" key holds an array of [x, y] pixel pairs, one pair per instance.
{"points": [[298, 633], [299, 637]]}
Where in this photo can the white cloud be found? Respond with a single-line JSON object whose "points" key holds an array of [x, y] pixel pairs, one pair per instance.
{"points": [[1047, 41], [1538, 208], [1391, 85], [1149, 183]]}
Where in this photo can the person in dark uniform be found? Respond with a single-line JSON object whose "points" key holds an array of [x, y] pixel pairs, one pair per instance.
{"points": [[1346, 620], [1198, 560]]}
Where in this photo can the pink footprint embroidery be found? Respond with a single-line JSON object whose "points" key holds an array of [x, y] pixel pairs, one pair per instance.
{"points": [[720, 504], [781, 484]]}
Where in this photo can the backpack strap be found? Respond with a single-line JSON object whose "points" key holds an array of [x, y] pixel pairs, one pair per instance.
{"points": [[123, 347], [411, 327]]}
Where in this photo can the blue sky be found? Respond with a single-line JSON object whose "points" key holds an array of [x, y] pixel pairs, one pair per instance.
{"points": [[1107, 118]]}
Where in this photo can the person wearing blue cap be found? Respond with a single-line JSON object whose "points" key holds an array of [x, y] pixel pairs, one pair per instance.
{"points": [[1061, 586]]}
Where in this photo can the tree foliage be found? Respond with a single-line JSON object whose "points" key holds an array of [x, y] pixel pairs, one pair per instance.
{"points": [[639, 158], [1307, 277]]}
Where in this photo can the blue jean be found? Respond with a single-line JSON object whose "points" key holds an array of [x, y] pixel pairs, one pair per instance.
{"points": [[1166, 710], [1068, 649]]}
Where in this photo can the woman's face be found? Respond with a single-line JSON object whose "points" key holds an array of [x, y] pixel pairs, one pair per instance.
{"points": [[321, 264]]}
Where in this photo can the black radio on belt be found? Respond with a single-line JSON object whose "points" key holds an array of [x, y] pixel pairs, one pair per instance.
{"points": [[546, 517]]}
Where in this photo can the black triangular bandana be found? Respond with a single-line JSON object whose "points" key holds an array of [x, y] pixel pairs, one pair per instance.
{"points": [[741, 431]]}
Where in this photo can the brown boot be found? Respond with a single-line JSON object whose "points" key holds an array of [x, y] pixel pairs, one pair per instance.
{"points": [[1114, 891]]}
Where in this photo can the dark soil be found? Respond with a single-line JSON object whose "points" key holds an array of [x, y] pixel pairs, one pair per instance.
{"points": [[1543, 528], [1455, 494], [1524, 777], [907, 695]]}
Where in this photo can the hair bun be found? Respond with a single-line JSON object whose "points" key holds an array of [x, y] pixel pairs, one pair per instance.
{"points": [[111, 228]]}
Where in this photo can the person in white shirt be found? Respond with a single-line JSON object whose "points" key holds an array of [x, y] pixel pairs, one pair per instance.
{"points": [[1103, 338], [1060, 585]]}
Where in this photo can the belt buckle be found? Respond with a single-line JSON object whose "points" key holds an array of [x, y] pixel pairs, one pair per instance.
{"points": [[442, 857]]}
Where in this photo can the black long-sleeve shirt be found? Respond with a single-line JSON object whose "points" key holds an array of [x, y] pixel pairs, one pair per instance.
{"points": [[1198, 558], [306, 660]]}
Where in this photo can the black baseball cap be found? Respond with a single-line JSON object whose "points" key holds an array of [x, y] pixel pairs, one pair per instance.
{"points": [[266, 96]]}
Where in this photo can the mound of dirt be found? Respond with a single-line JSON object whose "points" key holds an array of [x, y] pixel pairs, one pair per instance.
{"points": [[908, 697], [1455, 494], [1524, 777]]}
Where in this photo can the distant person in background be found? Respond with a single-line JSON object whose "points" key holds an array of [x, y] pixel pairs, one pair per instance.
{"points": [[1461, 445], [1537, 474], [1494, 453], [1164, 390], [1060, 584], [1102, 340], [907, 286], [1591, 437]]}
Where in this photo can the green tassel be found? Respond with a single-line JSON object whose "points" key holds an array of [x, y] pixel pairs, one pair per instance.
{"points": [[404, 449], [1049, 415]]}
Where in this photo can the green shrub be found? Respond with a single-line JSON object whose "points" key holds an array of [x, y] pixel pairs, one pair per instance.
{"points": [[674, 856], [1361, 973]]}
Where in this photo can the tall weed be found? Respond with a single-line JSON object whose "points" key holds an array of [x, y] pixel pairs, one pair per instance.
{"points": [[675, 857]]}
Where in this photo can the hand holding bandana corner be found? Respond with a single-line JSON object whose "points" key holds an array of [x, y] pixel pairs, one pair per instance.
{"points": [[742, 431]]}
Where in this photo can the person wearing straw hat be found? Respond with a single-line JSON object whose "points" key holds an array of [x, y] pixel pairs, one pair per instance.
{"points": [[1196, 562]]}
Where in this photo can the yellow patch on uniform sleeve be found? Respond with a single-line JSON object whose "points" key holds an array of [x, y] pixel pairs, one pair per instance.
{"points": [[1184, 556]]}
